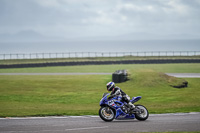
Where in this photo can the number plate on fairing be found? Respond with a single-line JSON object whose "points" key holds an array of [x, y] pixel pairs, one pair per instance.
{"points": [[111, 103]]}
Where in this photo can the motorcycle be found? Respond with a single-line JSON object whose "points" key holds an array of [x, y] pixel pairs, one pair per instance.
{"points": [[115, 108]]}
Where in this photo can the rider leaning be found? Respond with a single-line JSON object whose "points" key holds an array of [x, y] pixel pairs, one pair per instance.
{"points": [[116, 91]]}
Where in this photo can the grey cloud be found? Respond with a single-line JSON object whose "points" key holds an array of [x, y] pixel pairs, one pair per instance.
{"points": [[77, 18]]}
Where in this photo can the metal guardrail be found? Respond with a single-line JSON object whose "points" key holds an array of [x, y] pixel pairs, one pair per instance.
{"points": [[97, 54]]}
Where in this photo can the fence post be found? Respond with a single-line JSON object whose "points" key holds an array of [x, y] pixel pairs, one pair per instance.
{"points": [[98, 54]]}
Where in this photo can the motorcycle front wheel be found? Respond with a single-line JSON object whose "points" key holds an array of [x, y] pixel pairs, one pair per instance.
{"points": [[106, 114], [142, 114]]}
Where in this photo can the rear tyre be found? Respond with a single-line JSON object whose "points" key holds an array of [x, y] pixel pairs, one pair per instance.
{"points": [[142, 114], [106, 114]]}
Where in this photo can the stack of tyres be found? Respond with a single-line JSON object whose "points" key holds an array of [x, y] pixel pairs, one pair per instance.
{"points": [[119, 76]]}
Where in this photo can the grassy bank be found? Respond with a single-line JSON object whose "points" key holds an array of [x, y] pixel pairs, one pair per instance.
{"points": [[166, 68], [80, 94], [171, 132], [50, 95]]}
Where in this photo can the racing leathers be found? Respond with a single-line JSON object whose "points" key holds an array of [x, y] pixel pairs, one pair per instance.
{"points": [[118, 92]]}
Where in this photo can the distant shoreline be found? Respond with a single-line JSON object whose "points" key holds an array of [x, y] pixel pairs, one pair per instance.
{"points": [[99, 46]]}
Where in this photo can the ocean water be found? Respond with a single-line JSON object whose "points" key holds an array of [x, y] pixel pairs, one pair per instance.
{"points": [[99, 46]]}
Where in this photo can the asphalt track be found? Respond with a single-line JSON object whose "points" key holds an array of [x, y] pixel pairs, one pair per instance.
{"points": [[180, 75], [93, 124], [185, 75]]}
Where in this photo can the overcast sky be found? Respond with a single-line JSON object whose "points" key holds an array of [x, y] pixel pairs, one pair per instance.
{"points": [[94, 18]]}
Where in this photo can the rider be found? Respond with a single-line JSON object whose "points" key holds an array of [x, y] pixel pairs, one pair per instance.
{"points": [[116, 91]]}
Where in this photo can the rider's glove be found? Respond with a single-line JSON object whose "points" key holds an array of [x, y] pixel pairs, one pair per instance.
{"points": [[111, 97]]}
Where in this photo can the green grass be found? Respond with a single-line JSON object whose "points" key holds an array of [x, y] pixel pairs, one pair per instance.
{"points": [[80, 94], [50, 95], [168, 132], [167, 68]]}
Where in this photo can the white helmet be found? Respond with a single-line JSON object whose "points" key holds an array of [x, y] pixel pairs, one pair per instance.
{"points": [[110, 86]]}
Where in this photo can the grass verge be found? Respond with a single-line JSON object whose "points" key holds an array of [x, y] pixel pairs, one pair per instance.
{"points": [[80, 94], [169, 132], [165, 68]]}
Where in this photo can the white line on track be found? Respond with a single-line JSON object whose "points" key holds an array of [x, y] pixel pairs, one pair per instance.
{"points": [[87, 116], [85, 128], [70, 129], [167, 114], [50, 117]]}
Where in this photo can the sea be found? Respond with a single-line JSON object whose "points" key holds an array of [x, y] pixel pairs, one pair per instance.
{"points": [[99, 46]]}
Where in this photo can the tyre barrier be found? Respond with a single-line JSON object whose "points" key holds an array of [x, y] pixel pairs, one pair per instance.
{"points": [[156, 61], [120, 76]]}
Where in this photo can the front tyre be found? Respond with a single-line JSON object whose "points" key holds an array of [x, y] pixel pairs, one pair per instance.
{"points": [[106, 114], [142, 114]]}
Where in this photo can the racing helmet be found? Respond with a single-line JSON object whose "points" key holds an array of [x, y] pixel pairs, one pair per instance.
{"points": [[110, 86]]}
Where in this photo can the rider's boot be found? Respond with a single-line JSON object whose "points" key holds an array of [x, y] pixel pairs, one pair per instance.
{"points": [[131, 105]]}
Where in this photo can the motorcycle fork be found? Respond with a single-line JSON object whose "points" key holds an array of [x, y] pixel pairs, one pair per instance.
{"points": [[108, 110]]}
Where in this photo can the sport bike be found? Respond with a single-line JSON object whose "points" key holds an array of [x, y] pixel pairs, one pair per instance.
{"points": [[115, 108]]}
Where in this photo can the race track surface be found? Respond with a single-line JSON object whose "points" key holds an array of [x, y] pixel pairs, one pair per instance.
{"points": [[180, 75], [185, 75], [93, 124]]}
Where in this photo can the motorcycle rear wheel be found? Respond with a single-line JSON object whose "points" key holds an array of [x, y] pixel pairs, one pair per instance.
{"points": [[106, 114], [143, 113]]}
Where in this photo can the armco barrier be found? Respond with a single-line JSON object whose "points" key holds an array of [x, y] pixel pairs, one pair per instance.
{"points": [[156, 61]]}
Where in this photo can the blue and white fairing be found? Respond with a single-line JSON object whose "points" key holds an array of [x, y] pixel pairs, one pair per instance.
{"points": [[135, 99], [116, 104]]}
